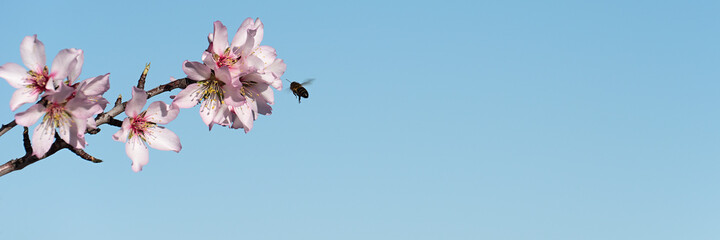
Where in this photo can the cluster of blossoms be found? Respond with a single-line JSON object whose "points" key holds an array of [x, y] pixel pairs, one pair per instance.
{"points": [[234, 80], [69, 106], [233, 84]]}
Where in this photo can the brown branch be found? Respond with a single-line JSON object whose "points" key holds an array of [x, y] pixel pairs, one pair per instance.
{"points": [[118, 101], [6, 127], [141, 81], [179, 83], [103, 118], [24, 161], [29, 158], [115, 122], [26, 142], [82, 154]]}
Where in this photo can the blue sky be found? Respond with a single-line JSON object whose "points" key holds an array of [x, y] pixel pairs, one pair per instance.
{"points": [[428, 120]]}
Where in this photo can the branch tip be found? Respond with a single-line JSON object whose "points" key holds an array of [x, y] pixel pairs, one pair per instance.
{"points": [[141, 81], [26, 142], [6, 127], [84, 155], [118, 100]]}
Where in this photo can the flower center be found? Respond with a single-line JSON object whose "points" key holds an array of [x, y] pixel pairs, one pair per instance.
{"points": [[225, 59], [211, 90], [138, 126], [38, 81], [57, 115], [245, 89]]}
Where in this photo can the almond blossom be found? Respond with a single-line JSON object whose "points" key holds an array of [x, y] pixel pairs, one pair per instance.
{"points": [[31, 83], [259, 95], [253, 67], [238, 55], [69, 110], [213, 90], [142, 127]]}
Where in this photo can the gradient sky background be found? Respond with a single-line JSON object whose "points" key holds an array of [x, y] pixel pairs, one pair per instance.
{"points": [[428, 120]]}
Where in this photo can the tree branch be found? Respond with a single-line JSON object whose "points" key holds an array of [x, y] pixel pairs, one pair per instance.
{"points": [[24, 161], [26, 142], [29, 158], [82, 154], [115, 122], [6, 127], [103, 118], [141, 82]]}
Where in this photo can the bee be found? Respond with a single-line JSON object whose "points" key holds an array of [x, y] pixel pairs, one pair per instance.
{"points": [[298, 89]]}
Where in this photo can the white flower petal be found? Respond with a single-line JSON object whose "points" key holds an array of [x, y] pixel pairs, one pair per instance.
{"points": [[220, 38], [122, 134], [23, 96], [196, 70], [43, 137], [161, 113], [266, 54], [208, 59], [75, 67], [136, 103], [188, 97], [62, 62], [32, 52], [14, 74], [208, 111], [30, 116], [161, 138], [223, 74], [138, 153], [73, 132], [77, 133], [60, 94], [244, 118], [241, 35], [233, 97], [96, 85]]}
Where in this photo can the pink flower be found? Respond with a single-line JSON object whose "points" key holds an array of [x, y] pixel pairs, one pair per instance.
{"points": [[238, 55], [258, 67], [255, 87], [142, 127], [32, 83], [68, 111], [213, 90], [271, 69], [259, 95], [90, 92]]}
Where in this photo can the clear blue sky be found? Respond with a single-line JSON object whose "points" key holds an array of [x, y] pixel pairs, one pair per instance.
{"points": [[428, 120]]}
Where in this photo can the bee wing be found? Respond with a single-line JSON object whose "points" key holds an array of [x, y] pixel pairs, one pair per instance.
{"points": [[308, 81]]}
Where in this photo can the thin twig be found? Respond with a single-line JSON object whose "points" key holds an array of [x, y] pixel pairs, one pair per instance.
{"points": [[82, 154], [141, 82], [26, 142], [6, 127], [118, 100], [24, 161], [179, 83], [103, 118]]}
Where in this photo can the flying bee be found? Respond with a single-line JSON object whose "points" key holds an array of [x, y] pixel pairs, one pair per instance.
{"points": [[298, 89]]}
